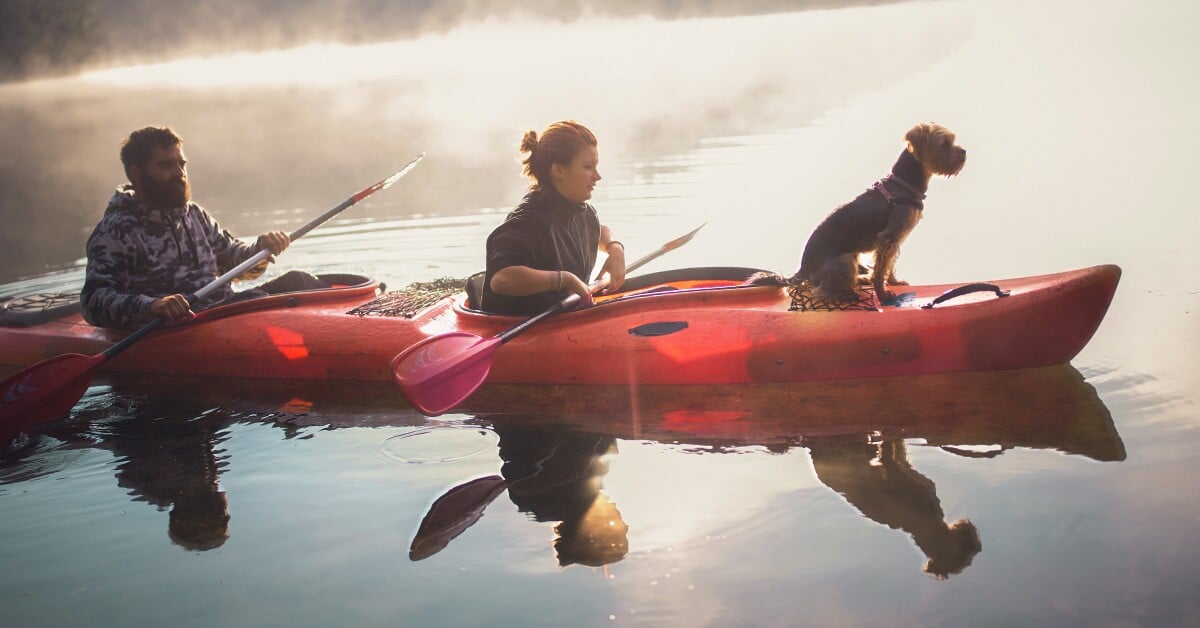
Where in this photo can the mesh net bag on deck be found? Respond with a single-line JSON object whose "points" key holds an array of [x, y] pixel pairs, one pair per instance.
{"points": [[411, 299], [805, 299]]}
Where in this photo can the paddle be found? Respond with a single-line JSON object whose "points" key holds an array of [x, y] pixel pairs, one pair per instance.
{"points": [[440, 372], [452, 513], [49, 389]]}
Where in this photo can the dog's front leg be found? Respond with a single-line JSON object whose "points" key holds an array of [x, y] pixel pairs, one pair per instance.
{"points": [[887, 247]]}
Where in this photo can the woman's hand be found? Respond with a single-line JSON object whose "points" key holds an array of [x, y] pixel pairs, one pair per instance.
{"points": [[575, 285], [614, 266]]}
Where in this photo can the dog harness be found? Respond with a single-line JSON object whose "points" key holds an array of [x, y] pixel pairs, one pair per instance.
{"points": [[892, 200]]}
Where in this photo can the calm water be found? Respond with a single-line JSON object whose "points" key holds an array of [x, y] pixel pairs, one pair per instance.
{"points": [[1061, 496]]}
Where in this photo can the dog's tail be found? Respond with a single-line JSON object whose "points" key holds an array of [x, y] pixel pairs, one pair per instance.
{"points": [[766, 278]]}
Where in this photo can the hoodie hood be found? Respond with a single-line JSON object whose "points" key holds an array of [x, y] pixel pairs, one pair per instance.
{"points": [[124, 201]]}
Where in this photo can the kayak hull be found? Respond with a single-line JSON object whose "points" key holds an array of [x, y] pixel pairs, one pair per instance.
{"points": [[669, 332]]}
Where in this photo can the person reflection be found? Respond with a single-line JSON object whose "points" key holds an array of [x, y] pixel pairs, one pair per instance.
{"points": [[879, 481], [173, 462], [555, 475]]}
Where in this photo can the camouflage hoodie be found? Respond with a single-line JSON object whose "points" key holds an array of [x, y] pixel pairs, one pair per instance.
{"points": [[137, 254]]}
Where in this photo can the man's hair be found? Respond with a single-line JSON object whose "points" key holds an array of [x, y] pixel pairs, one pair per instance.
{"points": [[135, 149]]}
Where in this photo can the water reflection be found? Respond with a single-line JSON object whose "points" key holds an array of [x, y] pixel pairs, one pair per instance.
{"points": [[1041, 408], [553, 475], [857, 435], [555, 445], [167, 454], [173, 462], [878, 480], [167, 460]]}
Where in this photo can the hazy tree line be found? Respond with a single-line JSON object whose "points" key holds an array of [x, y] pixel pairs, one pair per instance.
{"points": [[40, 37]]}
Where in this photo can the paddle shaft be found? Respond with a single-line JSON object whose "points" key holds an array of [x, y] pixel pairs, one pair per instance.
{"points": [[572, 300], [258, 257], [313, 224]]}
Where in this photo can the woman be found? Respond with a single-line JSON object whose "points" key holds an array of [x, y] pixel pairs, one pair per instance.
{"points": [[547, 246]]}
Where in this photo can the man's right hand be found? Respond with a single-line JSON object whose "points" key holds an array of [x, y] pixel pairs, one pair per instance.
{"points": [[171, 308]]}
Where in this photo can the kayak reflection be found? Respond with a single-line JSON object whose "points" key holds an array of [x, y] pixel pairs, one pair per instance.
{"points": [[1042, 408], [551, 474]]}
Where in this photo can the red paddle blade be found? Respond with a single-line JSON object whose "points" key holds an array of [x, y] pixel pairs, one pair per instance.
{"points": [[45, 391], [439, 373]]}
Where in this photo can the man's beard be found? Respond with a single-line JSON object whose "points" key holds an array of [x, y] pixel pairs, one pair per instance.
{"points": [[167, 195]]}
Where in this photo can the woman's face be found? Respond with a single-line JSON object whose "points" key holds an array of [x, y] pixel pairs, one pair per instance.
{"points": [[576, 180]]}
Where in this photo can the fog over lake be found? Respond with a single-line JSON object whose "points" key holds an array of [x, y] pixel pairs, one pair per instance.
{"points": [[1080, 126]]}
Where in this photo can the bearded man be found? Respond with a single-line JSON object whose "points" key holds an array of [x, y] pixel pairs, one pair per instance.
{"points": [[153, 245]]}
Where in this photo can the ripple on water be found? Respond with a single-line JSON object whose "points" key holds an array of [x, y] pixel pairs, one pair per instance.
{"points": [[439, 444], [1141, 393]]}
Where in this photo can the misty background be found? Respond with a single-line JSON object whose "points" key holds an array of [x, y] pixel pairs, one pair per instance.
{"points": [[286, 109], [61, 36]]}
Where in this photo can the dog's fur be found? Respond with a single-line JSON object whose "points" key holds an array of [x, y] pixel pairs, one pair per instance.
{"points": [[876, 222]]}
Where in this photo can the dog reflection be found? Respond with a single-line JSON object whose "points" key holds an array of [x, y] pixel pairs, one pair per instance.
{"points": [[878, 480]]}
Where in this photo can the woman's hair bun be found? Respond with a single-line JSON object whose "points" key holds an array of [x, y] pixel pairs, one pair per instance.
{"points": [[529, 141]]}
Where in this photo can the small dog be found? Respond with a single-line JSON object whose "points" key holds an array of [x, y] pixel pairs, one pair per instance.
{"points": [[876, 222]]}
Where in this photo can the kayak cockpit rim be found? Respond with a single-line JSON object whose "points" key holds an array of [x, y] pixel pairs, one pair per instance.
{"points": [[639, 286]]}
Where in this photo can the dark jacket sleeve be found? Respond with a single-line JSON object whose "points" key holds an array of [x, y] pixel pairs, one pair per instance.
{"points": [[105, 300], [229, 251]]}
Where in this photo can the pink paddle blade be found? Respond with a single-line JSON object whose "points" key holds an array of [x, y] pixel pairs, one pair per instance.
{"points": [[45, 391], [439, 373]]}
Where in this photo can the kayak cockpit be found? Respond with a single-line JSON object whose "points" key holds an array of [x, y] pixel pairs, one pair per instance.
{"points": [[35, 309], [636, 286]]}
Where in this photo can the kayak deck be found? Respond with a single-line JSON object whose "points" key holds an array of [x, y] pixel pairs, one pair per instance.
{"points": [[747, 334], [690, 326]]}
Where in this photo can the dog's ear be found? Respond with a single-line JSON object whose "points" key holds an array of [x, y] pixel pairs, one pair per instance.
{"points": [[918, 137]]}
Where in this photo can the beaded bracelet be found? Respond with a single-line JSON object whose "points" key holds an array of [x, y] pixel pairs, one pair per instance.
{"points": [[612, 242]]}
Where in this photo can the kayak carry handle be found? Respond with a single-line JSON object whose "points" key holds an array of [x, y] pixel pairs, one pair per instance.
{"points": [[967, 289]]}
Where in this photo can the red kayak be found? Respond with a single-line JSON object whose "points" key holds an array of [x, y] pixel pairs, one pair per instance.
{"points": [[688, 326]]}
